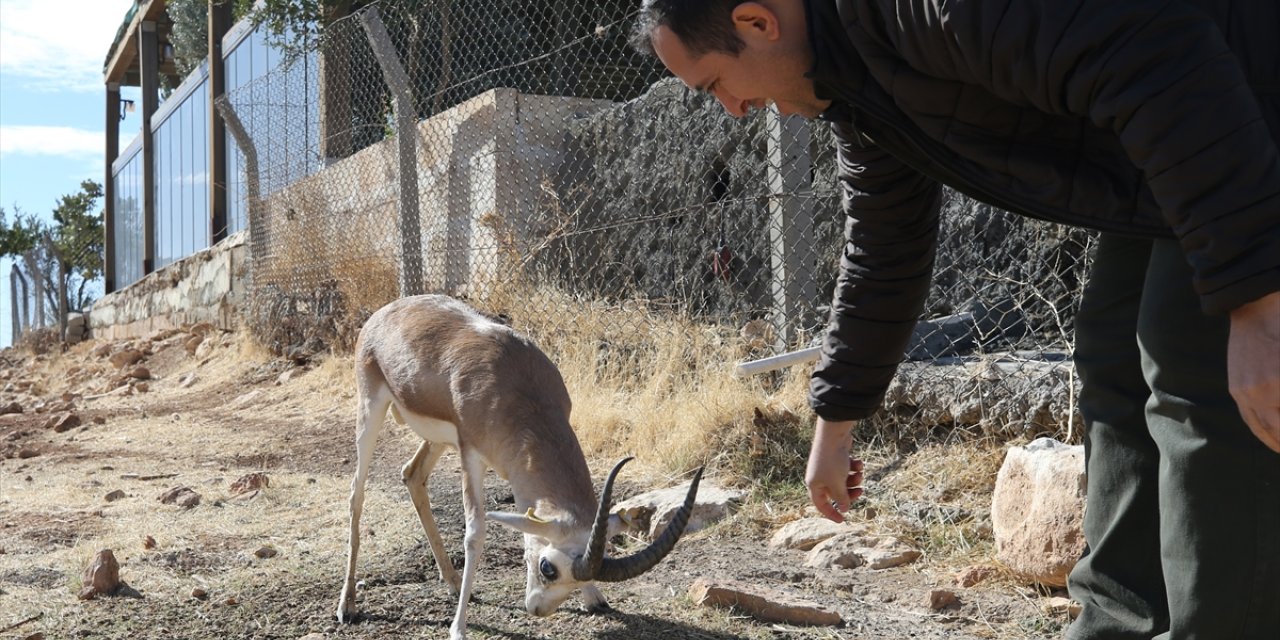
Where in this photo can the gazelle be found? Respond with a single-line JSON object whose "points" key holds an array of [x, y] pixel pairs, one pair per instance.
{"points": [[461, 380]]}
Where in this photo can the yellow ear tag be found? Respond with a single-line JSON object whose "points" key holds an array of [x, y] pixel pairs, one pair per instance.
{"points": [[529, 515]]}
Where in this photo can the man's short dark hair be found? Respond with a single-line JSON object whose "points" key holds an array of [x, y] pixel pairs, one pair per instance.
{"points": [[703, 26]]}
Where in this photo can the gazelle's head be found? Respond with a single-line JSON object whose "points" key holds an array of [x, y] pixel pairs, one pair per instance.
{"points": [[562, 556]]}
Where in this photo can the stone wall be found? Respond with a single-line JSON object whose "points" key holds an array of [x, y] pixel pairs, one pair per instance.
{"points": [[207, 286]]}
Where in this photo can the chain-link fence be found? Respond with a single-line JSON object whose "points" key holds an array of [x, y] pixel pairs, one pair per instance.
{"points": [[521, 156], [51, 286]]}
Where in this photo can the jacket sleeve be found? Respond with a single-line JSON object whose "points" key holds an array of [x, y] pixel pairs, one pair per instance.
{"points": [[1158, 73], [891, 229]]}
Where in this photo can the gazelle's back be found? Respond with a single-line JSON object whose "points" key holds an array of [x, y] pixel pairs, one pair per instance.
{"points": [[441, 359]]}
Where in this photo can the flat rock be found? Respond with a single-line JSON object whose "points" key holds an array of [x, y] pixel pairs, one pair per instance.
{"points": [[806, 533], [853, 550], [185, 497], [125, 358], [250, 482], [651, 512], [761, 603]]}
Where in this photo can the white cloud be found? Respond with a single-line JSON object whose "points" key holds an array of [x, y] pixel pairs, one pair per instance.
{"points": [[58, 44], [50, 141]]}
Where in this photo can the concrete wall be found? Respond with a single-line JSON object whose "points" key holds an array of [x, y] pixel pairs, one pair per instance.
{"points": [[480, 169], [207, 286]]}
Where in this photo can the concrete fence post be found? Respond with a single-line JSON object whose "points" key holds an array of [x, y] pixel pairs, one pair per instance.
{"points": [[790, 223], [37, 286], [411, 274]]}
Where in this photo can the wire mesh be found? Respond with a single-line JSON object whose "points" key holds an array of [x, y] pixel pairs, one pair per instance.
{"points": [[60, 276], [536, 166]]}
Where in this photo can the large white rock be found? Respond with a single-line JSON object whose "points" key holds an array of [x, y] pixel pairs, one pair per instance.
{"points": [[1037, 511], [650, 513]]}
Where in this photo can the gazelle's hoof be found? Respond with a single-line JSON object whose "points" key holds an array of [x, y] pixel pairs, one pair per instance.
{"points": [[347, 611], [599, 608], [454, 583]]}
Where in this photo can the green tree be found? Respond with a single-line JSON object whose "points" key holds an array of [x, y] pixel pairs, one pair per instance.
{"points": [[77, 241], [21, 235], [69, 250]]}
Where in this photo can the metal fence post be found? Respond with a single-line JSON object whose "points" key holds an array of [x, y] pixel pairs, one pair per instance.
{"points": [[411, 279], [15, 276], [790, 223], [253, 189], [63, 307]]}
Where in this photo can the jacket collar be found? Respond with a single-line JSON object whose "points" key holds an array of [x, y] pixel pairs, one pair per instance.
{"points": [[837, 70]]}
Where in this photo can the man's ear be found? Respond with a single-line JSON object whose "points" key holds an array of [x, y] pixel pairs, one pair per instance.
{"points": [[754, 20]]}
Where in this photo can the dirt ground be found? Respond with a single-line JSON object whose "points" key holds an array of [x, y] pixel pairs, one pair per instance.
{"points": [[208, 418]]}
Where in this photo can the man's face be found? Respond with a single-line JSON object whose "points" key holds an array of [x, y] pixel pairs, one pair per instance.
{"points": [[762, 72]]}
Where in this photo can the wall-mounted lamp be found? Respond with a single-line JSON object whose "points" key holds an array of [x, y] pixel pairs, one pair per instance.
{"points": [[166, 52], [126, 106]]}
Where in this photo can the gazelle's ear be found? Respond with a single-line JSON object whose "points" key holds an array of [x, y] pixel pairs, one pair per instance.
{"points": [[526, 523]]}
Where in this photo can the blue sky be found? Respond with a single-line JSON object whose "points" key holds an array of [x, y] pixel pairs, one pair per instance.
{"points": [[52, 105]]}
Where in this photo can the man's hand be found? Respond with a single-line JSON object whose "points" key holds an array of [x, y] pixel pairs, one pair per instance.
{"points": [[834, 477], [1253, 366]]}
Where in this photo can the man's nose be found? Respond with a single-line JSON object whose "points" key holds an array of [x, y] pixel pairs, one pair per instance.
{"points": [[734, 106]]}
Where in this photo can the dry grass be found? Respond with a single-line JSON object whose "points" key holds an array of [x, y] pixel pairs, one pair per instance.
{"points": [[644, 380]]}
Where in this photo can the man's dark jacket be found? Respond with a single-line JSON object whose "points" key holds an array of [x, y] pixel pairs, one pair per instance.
{"points": [[1157, 118]]}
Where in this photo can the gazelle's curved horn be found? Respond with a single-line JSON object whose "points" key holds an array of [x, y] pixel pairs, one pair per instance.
{"points": [[595, 566]]}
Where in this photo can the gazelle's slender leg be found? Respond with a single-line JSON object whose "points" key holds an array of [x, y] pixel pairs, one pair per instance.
{"points": [[371, 410], [473, 542], [415, 474]]}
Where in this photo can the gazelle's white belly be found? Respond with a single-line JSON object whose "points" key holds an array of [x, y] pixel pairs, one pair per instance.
{"points": [[430, 429]]}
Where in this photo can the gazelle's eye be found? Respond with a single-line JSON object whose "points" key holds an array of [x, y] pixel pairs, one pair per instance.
{"points": [[548, 570]]}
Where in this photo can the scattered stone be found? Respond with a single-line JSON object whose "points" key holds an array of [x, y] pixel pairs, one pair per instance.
{"points": [[651, 512], [201, 329], [140, 373], [288, 375], [99, 419], [970, 576], [187, 380], [154, 476], [266, 552], [942, 598], [115, 495], [230, 601], [125, 358], [852, 550], [101, 351], [65, 422], [148, 543], [28, 452], [246, 398], [101, 577], [1059, 606], [184, 497], [192, 344], [142, 387], [12, 407], [806, 533], [766, 605], [199, 594], [250, 482], [1037, 511]]}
